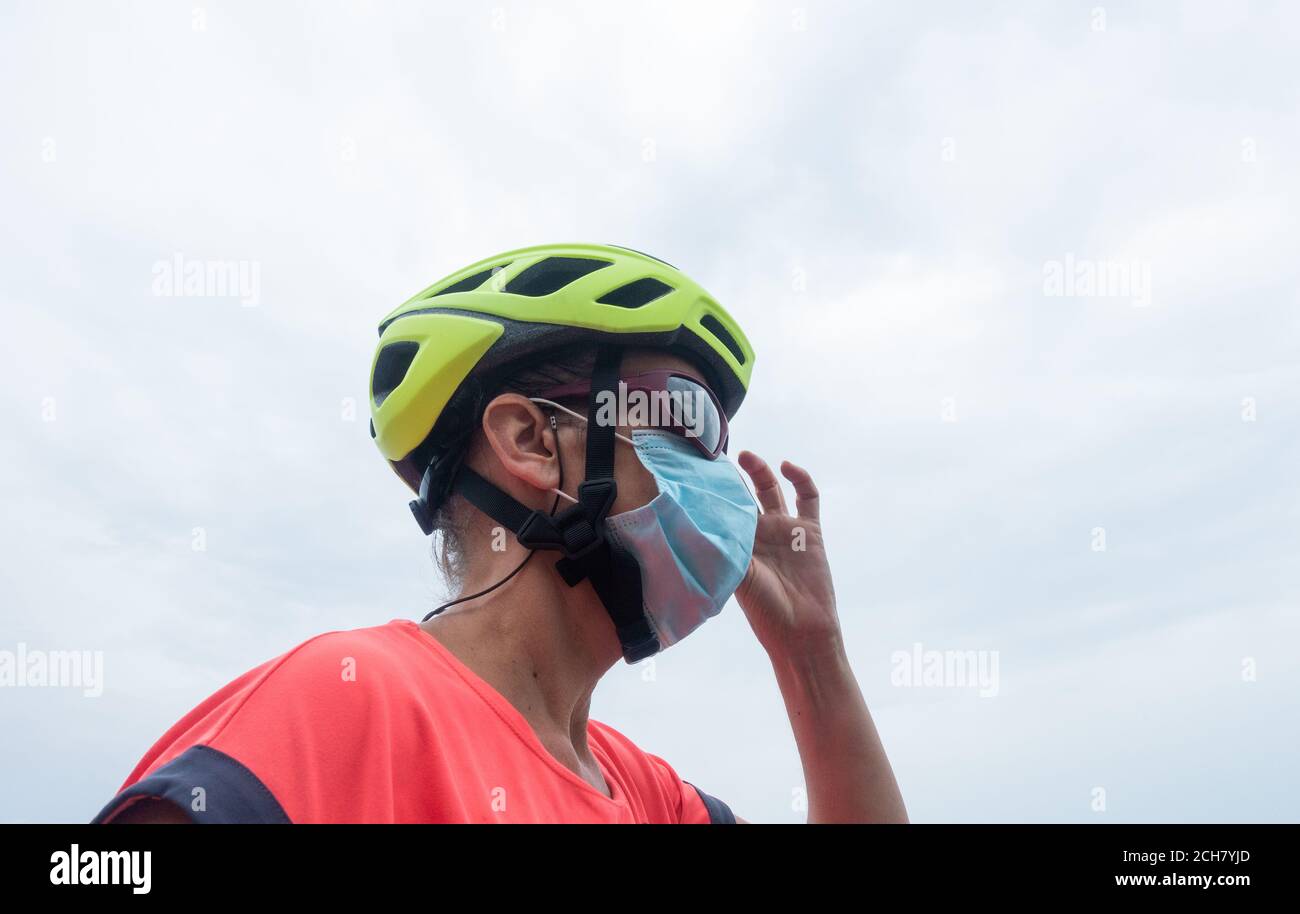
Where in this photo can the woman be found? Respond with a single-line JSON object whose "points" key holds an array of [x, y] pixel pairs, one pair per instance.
{"points": [[570, 400]]}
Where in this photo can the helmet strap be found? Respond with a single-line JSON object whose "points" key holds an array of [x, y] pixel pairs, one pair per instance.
{"points": [[578, 532]]}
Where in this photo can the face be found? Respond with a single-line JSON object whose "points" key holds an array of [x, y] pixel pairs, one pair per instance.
{"points": [[537, 459], [636, 484]]}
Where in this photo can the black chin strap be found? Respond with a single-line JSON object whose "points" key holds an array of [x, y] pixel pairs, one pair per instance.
{"points": [[578, 532]]}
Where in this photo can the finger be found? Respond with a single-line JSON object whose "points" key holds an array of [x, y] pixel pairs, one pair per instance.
{"points": [[807, 500], [766, 485]]}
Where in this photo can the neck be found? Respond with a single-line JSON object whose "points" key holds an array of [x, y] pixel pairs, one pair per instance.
{"points": [[540, 643]]}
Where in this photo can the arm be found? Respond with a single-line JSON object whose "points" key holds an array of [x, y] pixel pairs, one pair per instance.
{"points": [[844, 763], [790, 603]]}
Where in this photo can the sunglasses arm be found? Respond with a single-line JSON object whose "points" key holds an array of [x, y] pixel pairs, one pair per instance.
{"points": [[566, 409]]}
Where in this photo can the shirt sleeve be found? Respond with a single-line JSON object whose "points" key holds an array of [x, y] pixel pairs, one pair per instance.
{"points": [[695, 807], [238, 797], [283, 746]]}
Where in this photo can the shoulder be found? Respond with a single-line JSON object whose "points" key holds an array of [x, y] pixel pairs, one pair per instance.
{"points": [[366, 657], [266, 743], [336, 649], [665, 796], [334, 686], [326, 674]]}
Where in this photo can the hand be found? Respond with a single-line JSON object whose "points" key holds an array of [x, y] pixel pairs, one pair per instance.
{"points": [[787, 594]]}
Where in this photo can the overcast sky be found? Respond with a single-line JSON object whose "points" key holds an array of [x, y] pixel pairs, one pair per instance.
{"points": [[1091, 489]]}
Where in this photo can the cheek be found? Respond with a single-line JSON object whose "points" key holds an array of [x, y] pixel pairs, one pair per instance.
{"points": [[636, 484]]}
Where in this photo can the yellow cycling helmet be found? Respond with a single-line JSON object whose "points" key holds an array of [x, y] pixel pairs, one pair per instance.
{"points": [[439, 352]]}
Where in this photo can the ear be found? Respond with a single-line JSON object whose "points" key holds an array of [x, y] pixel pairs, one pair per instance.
{"points": [[521, 437]]}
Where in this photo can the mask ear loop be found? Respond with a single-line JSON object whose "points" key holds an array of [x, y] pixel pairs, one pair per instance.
{"points": [[555, 427]]}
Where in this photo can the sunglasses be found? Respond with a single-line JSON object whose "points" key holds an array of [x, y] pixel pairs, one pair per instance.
{"points": [[670, 400]]}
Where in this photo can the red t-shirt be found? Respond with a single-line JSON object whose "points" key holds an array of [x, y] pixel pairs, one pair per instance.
{"points": [[384, 724]]}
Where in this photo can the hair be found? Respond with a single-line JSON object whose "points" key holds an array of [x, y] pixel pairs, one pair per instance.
{"points": [[454, 518]]}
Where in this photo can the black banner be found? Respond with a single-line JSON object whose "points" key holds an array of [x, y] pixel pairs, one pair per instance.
{"points": [[1150, 861]]}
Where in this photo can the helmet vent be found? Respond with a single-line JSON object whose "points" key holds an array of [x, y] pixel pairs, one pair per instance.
{"points": [[714, 326], [469, 283], [390, 368], [637, 293], [552, 274]]}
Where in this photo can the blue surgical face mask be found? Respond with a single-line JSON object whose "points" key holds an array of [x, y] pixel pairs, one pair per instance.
{"points": [[693, 541]]}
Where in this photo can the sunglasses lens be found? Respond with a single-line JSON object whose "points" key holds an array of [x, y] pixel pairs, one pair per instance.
{"points": [[694, 410]]}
